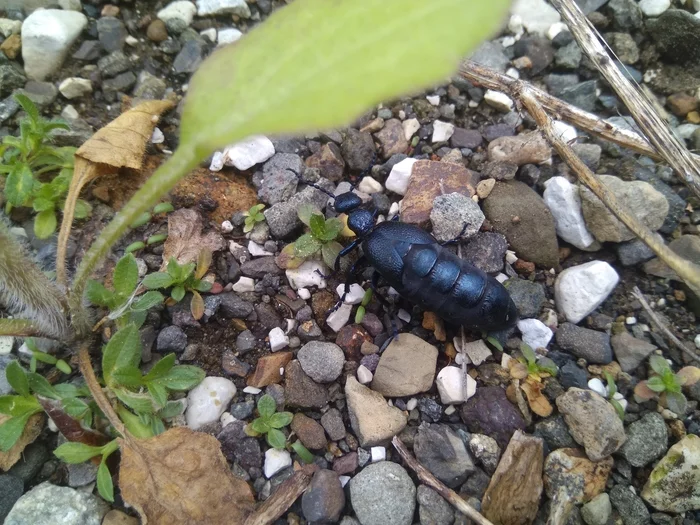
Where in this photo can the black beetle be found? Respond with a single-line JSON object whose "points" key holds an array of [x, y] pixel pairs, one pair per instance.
{"points": [[423, 271]]}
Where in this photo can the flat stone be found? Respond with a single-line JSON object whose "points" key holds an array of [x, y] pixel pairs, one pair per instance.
{"points": [[432, 508], [300, 390], [238, 447], [563, 200], [647, 440], [597, 511], [329, 161], [489, 412], [383, 494], [454, 214], [439, 449], [526, 148], [112, 33], [372, 420], [528, 296], [324, 500], [630, 352], [392, 139], [406, 367], [48, 504], [322, 361], [358, 149], [332, 422], [630, 506], [486, 251], [579, 290], [591, 345], [309, 432], [466, 138], [267, 370]]}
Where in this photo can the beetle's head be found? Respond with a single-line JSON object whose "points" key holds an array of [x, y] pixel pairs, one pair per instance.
{"points": [[347, 202], [361, 222]]}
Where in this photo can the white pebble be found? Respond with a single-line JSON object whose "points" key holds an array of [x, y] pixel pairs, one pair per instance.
{"points": [[6, 344], [249, 152], [9, 27], [228, 36], [400, 175], [536, 16], [75, 87], [535, 333], [563, 200], [661, 303], [344, 480], [210, 34], [369, 185], [654, 7], [131, 41], [275, 461], [69, 113], [501, 278], [515, 25], [394, 209], [307, 275], [449, 382], [181, 10], [304, 293], [555, 29], [336, 320], [278, 339], [217, 161], [631, 320], [511, 258], [412, 403], [52, 426], [566, 132], [226, 419], [410, 127], [597, 386], [505, 359], [142, 267], [355, 294], [451, 409], [442, 131], [581, 289], [157, 136], [433, 99], [257, 251], [208, 400], [364, 376], [697, 341], [251, 390], [226, 227], [513, 73], [244, 284], [499, 101], [404, 315], [378, 454]]}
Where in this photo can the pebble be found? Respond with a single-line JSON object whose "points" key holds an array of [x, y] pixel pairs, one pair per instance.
{"points": [[302, 391], [378, 454], [451, 213], [10, 27], [208, 400], [592, 422], [441, 450], [11, 489], [630, 352], [369, 185], [486, 251], [580, 289], [528, 296], [466, 138], [228, 36], [308, 274], [486, 450], [249, 152], [526, 148], [383, 494], [364, 375], [354, 295], [584, 343], [244, 284], [489, 412], [112, 33], [321, 361], [535, 333], [238, 447], [491, 54], [358, 149], [48, 504], [310, 432], [373, 421], [563, 200], [6, 344], [647, 440], [442, 131], [400, 176], [635, 251], [406, 367], [223, 7], [432, 508], [410, 126], [477, 351], [450, 383], [597, 511], [278, 339], [276, 461], [652, 8], [555, 433], [630, 506], [74, 87], [324, 500], [47, 35], [498, 100], [178, 14], [675, 34], [171, 339], [536, 16], [598, 387]]}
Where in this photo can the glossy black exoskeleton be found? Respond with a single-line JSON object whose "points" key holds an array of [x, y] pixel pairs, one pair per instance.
{"points": [[424, 271]]}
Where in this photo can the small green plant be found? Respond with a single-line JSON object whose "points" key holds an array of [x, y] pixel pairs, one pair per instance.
{"points": [[536, 368], [253, 216], [319, 240], [182, 279], [667, 383], [360, 314], [43, 357], [74, 453], [122, 302], [269, 422], [612, 390], [28, 162]]}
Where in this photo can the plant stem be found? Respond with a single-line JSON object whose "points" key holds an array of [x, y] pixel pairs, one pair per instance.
{"points": [[165, 177], [22, 328]]}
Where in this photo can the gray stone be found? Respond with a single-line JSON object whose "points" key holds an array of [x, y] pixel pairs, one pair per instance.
{"points": [[8, 107], [687, 246], [676, 204], [634, 252], [490, 54], [113, 64], [260, 267], [149, 86], [383, 494], [33, 458], [630, 506], [489, 412], [279, 180], [88, 51], [583, 95], [432, 508], [647, 440], [282, 218], [555, 433], [120, 83], [557, 83], [486, 451], [466, 138], [11, 78], [630, 352], [584, 343], [48, 504], [430, 410], [332, 422], [358, 149], [233, 307], [677, 35], [476, 485], [171, 339], [453, 212], [528, 296], [43, 94], [322, 362], [568, 56], [300, 390], [190, 57], [626, 14], [112, 33], [443, 453], [5, 387], [486, 251], [588, 6], [589, 154], [237, 446], [572, 375], [246, 341], [11, 489], [597, 511], [324, 500]]}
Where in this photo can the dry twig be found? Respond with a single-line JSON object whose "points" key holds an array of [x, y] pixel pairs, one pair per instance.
{"points": [[283, 498], [431, 481]]}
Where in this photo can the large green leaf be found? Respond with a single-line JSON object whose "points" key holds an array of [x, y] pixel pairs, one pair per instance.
{"points": [[317, 64], [122, 350], [126, 276], [19, 185]]}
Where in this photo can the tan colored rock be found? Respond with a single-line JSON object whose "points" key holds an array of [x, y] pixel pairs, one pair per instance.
{"points": [[484, 188], [310, 432], [329, 161], [569, 470], [372, 419], [392, 139], [513, 495], [267, 371], [526, 148], [117, 517], [11, 46], [407, 367]]}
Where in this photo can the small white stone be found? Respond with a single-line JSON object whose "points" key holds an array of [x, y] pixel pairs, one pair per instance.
{"points": [[252, 390], [511, 258], [581, 289], [157, 136], [249, 152], [537, 16], [449, 382], [515, 25], [275, 461], [369, 185], [623, 403], [142, 267], [686, 131], [555, 29], [6, 344], [181, 10], [400, 175], [404, 315], [411, 404], [257, 251], [566, 132], [597, 386], [654, 7], [501, 278], [226, 419], [208, 400], [336, 320], [550, 319], [442, 131], [221, 7], [535, 333], [462, 358], [499, 101], [304, 293], [217, 161], [278, 339], [505, 359], [9, 27], [228, 36], [451, 409], [433, 99], [209, 33], [661, 303], [631, 320], [410, 127], [75, 87], [564, 201], [477, 351], [226, 227], [70, 5], [52, 426], [307, 275], [394, 209], [378, 454], [344, 480], [69, 113], [131, 41], [244, 284], [364, 376], [355, 294], [697, 341], [513, 73]]}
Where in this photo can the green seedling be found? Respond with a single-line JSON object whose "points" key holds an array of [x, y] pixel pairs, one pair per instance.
{"points": [[182, 279], [269, 422], [666, 382], [536, 369], [43, 357], [612, 390], [361, 310], [124, 305], [253, 216], [320, 239], [75, 453]]}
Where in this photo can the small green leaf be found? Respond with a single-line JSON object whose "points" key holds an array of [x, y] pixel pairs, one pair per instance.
{"points": [[73, 452], [332, 229], [39, 385], [98, 295], [330, 251], [128, 376], [104, 482], [656, 384], [28, 106], [618, 408], [126, 276], [142, 403], [528, 353], [44, 357], [306, 246], [280, 419], [142, 219], [83, 209], [317, 223], [305, 212], [123, 349], [45, 224], [203, 286], [181, 378], [658, 364], [157, 280], [306, 456], [178, 293], [64, 367], [267, 406], [11, 430], [67, 390], [260, 426], [75, 407], [547, 365], [163, 207], [134, 247], [156, 239], [360, 314], [495, 343], [18, 405], [161, 368], [41, 204], [17, 378], [172, 409], [612, 387], [367, 297], [19, 185], [133, 424], [159, 393], [276, 439], [174, 269], [676, 403], [147, 301]]}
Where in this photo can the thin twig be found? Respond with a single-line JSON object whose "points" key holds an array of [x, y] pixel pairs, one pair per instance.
{"points": [[686, 270], [651, 124], [636, 292], [283, 498], [448, 494]]}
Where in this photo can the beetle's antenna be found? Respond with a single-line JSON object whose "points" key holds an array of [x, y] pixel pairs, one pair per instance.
{"points": [[313, 185]]}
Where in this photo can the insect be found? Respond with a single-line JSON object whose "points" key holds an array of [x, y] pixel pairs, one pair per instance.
{"points": [[422, 270]]}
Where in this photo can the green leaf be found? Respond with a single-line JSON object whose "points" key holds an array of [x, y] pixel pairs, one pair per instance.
{"points": [[18, 405], [612, 387], [17, 378], [332, 229], [75, 407], [306, 456], [41, 204], [618, 408], [126, 276], [11, 430], [163, 207], [305, 212], [178, 293], [28, 106], [128, 376], [159, 393], [360, 314], [280, 419], [134, 424], [39, 385], [73, 452], [671, 382], [161, 368], [44, 357], [157, 280], [19, 185], [317, 223], [495, 343], [104, 482], [142, 219], [122, 350], [182, 377], [658, 364], [83, 209], [45, 224], [142, 403], [547, 365], [64, 367], [306, 246], [293, 92], [276, 439], [174, 269], [147, 301], [330, 252], [528, 353], [67, 390], [260, 426], [656, 384], [203, 286], [267, 406], [676, 403], [172, 409], [134, 247], [98, 295]]}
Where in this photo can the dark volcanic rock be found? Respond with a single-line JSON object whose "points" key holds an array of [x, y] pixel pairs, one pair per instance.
{"points": [[489, 412]]}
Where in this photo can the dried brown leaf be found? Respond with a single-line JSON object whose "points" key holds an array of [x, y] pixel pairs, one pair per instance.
{"points": [[197, 305], [181, 477], [185, 239], [71, 428], [539, 404], [643, 392], [30, 433]]}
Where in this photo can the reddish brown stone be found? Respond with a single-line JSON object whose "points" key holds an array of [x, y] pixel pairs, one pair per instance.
{"points": [[157, 31], [430, 179], [329, 161], [392, 138], [681, 104], [234, 366], [267, 372], [309, 431], [321, 303], [346, 464], [350, 338]]}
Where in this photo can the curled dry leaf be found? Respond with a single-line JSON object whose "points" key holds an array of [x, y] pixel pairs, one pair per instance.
{"points": [[71, 428], [538, 402], [185, 239], [517, 369], [643, 392], [689, 375], [181, 477], [31, 431]]}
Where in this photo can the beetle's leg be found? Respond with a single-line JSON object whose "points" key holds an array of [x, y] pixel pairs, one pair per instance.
{"points": [[456, 239], [349, 248], [374, 284]]}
